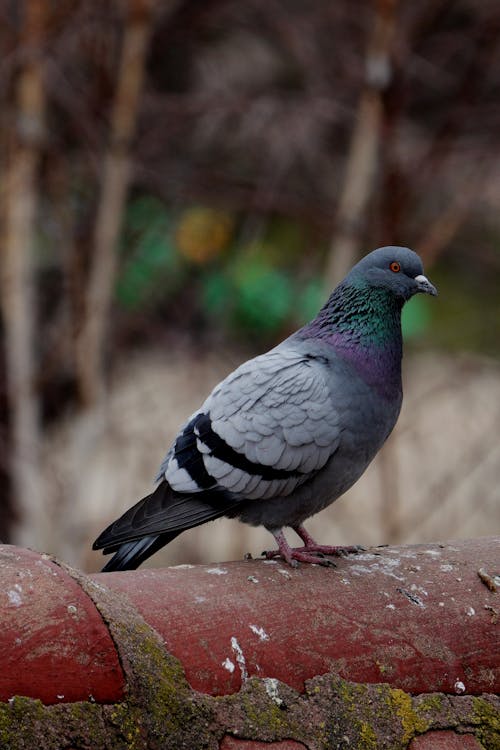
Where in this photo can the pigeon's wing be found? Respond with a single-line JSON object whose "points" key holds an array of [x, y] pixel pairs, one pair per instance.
{"points": [[267, 428]]}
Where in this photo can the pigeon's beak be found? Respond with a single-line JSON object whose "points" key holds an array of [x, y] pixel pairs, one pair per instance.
{"points": [[425, 286]]}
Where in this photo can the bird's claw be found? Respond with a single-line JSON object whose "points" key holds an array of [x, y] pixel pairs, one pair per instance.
{"points": [[322, 549], [301, 554]]}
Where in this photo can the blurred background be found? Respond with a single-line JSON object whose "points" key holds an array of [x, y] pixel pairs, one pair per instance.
{"points": [[181, 185]]}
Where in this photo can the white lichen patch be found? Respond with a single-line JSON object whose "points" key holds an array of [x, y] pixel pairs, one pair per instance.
{"points": [[217, 571], [200, 599], [271, 684], [390, 606], [263, 636], [360, 570], [366, 556], [446, 568], [252, 579], [459, 687], [14, 595], [385, 566], [240, 658], [229, 665], [470, 611], [183, 566], [24, 573], [420, 589]]}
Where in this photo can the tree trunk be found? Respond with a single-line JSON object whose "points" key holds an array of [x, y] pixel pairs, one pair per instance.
{"points": [[364, 149], [115, 180], [18, 306]]}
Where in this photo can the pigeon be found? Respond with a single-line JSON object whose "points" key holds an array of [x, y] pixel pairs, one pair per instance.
{"points": [[288, 432]]}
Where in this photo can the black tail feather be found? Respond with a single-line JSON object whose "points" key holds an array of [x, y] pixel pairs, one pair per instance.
{"points": [[132, 554], [157, 519]]}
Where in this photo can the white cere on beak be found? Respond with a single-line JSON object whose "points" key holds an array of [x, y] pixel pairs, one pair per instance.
{"points": [[424, 285]]}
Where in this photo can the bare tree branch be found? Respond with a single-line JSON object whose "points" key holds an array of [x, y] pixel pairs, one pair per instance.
{"points": [[440, 232], [20, 202], [115, 180], [365, 146]]}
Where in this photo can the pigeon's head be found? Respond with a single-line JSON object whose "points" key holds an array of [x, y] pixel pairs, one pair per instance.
{"points": [[399, 270]]}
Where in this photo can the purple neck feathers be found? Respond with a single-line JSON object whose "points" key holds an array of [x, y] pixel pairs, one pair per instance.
{"points": [[364, 328]]}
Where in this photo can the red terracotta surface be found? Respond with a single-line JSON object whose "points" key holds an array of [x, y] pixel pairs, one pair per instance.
{"points": [[233, 743], [445, 740], [53, 643], [417, 617]]}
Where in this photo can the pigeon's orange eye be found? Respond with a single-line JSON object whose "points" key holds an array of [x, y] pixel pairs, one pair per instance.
{"points": [[395, 266]]}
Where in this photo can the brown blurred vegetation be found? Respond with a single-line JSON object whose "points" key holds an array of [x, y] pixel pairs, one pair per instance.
{"points": [[268, 145]]}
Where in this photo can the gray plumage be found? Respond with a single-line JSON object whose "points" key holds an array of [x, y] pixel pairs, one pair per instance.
{"points": [[291, 430]]}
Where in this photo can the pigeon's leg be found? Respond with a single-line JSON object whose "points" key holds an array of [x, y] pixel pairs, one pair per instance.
{"points": [[310, 545], [294, 556]]}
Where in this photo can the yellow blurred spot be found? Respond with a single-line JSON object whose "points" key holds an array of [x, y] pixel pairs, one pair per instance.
{"points": [[202, 234]]}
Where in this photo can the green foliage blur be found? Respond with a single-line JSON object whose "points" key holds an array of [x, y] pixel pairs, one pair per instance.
{"points": [[259, 287], [265, 288], [151, 266]]}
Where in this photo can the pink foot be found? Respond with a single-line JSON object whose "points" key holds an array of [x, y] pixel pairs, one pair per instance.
{"points": [[294, 555], [325, 549], [311, 552], [312, 546]]}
